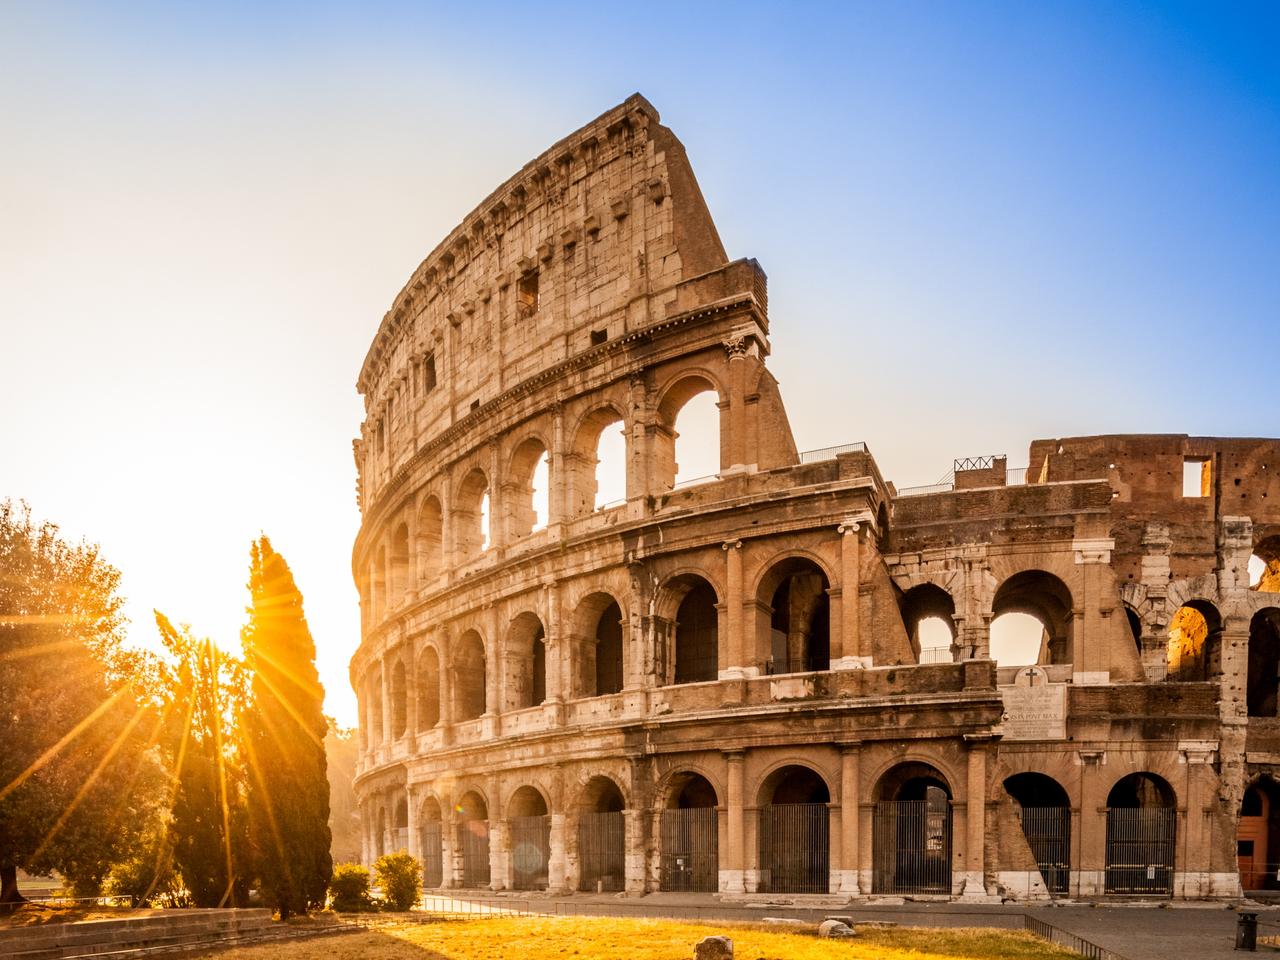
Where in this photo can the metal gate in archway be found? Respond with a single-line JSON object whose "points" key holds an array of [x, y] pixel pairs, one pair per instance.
{"points": [[432, 855], [690, 854], [530, 851], [1048, 833], [911, 847], [602, 844], [795, 848], [473, 841], [1140, 850]]}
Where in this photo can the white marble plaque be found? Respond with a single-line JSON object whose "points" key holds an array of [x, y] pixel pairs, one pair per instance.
{"points": [[1034, 708]]}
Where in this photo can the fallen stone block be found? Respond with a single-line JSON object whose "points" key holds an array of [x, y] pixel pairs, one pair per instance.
{"points": [[713, 948], [835, 929]]}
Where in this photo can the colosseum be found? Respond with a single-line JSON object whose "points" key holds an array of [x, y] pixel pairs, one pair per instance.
{"points": [[782, 678]]}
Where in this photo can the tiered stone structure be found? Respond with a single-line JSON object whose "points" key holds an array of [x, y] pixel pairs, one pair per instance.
{"points": [[724, 686]]}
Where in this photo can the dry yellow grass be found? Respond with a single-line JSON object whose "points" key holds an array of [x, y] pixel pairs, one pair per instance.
{"points": [[603, 938]]}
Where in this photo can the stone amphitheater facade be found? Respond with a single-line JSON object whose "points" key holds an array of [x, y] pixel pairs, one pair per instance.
{"points": [[724, 686]]}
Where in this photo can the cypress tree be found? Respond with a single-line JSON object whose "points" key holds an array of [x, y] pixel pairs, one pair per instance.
{"points": [[283, 731]]}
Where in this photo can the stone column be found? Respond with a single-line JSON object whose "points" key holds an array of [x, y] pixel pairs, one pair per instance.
{"points": [[558, 495], [635, 847], [1092, 831], [736, 347], [732, 857], [363, 808], [734, 658], [1091, 636], [850, 774], [848, 654], [497, 502], [492, 676], [450, 854], [414, 839], [386, 703], [975, 823]]}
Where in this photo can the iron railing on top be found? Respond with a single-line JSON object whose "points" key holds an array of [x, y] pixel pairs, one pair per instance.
{"points": [[830, 453], [1014, 477]]}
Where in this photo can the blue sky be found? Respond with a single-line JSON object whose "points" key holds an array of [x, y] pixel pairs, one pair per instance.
{"points": [[982, 223]]}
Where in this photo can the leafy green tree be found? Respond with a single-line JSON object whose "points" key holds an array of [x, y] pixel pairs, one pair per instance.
{"points": [[349, 888], [283, 729], [400, 879], [79, 771], [204, 691]]}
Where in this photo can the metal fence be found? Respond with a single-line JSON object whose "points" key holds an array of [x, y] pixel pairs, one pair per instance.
{"points": [[1062, 938], [602, 842], [530, 852], [795, 848], [911, 847], [432, 854], [1140, 849], [1048, 833], [690, 856], [473, 841], [830, 453]]}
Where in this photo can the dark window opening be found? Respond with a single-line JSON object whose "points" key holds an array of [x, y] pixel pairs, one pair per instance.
{"points": [[598, 337], [429, 373], [609, 651], [527, 295]]}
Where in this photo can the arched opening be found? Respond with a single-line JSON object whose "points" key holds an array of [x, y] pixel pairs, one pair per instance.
{"points": [[469, 700], [1264, 665], [1044, 810], [471, 516], [599, 661], [598, 463], [687, 444], [400, 839], [1258, 837], [473, 839], [399, 702], [1135, 626], [795, 848], [696, 632], [928, 613], [795, 592], [375, 705], [530, 474], [1141, 829], [432, 844], [529, 825], [1031, 620], [428, 690], [400, 582], [690, 844], [526, 659], [1264, 565], [1195, 645], [430, 540], [911, 831], [602, 836]]}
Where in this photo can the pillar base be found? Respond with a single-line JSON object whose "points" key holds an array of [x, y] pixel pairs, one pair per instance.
{"points": [[845, 882], [974, 890], [732, 881]]}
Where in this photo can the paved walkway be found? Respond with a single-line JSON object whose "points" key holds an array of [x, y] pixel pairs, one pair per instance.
{"points": [[1192, 931]]}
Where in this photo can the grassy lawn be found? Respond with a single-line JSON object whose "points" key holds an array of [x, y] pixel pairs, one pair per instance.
{"points": [[603, 938]]}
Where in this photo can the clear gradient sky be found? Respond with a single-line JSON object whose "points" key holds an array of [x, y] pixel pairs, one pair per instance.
{"points": [[982, 223]]}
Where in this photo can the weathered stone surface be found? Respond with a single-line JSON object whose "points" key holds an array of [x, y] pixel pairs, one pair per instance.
{"points": [[759, 652], [835, 929], [713, 948]]}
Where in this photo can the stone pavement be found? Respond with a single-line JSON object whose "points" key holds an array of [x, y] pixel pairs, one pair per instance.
{"points": [[1130, 931]]}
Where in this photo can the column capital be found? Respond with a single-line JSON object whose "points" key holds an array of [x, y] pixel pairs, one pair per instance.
{"points": [[731, 545], [735, 756], [852, 524], [850, 746]]}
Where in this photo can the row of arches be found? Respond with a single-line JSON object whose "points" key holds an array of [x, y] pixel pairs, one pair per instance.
{"points": [[454, 525], [458, 685], [911, 845]]}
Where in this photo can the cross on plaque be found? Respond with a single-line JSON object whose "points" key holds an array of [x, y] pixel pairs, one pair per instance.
{"points": [[1030, 674]]}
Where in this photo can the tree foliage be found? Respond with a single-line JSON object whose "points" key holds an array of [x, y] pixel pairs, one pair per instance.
{"points": [[203, 693], [400, 879], [79, 771], [283, 729], [349, 888]]}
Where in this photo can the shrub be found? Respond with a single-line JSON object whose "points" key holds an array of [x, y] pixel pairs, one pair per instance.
{"points": [[349, 888], [400, 877]]}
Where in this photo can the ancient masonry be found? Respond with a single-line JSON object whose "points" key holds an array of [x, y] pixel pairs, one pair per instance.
{"points": [[727, 685]]}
